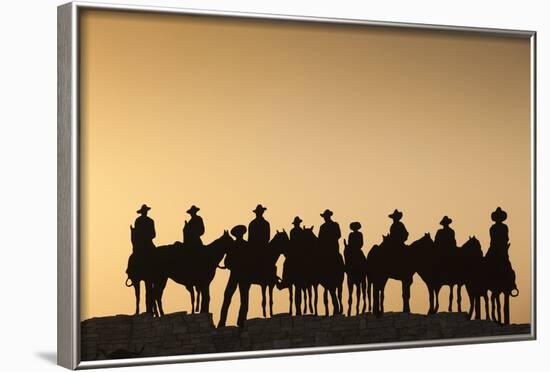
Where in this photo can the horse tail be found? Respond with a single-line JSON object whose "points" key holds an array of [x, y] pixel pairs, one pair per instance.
{"points": [[126, 282]]}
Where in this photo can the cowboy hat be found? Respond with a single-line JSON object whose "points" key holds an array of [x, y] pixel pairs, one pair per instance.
{"points": [[238, 231], [499, 215], [144, 208], [259, 208], [193, 209], [396, 215], [297, 220], [355, 226], [446, 221], [326, 213]]}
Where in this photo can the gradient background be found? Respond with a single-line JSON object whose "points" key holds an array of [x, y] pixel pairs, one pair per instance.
{"points": [[225, 114]]}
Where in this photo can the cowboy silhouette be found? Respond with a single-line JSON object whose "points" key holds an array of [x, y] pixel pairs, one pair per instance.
{"points": [[398, 231], [232, 261], [297, 231], [355, 242], [296, 242], [239, 247], [498, 248], [329, 233], [258, 229], [193, 229], [355, 238], [144, 228], [445, 237]]}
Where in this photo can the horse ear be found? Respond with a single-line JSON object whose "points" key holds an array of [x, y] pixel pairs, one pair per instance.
{"points": [[277, 231]]}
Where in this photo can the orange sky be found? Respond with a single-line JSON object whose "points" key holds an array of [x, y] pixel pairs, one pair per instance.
{"points": [[228, 113]]}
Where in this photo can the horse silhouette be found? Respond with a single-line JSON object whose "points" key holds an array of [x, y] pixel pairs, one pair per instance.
{"points": [[475, 278], [388, 261], [501, 281], [193, 268], [356, 273], [295, 276], [438, 267], [327, 271], [253, 266], [142, 267]]}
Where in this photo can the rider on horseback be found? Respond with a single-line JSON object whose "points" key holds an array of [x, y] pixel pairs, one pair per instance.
{"points": [[445, 237], [296, 242], [258, 229], [498, 249], [144, 230], [194, 229], [329, 233], [355, 243], [398, 231]]}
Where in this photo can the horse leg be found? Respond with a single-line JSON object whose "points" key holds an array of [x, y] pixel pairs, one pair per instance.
{"points": [[499, 309], [339, 297], [335, 304], [290, 299], [459, 297], [230, 289], [271, 299], [264, 288], [149, 299], [244, 289], [477, 307], [350, 295], [486, 298], [472, 299], [192, 294], [506, 308], [325, 300], [358, 297], [304, 299], [159, 292], [310, 302], [382, 297], [431, 295], [364, 292], [436, 295], [197, 309], [406, 285], [205, 300], [451, 287], [316, 298], [136, 290], [493, 307], [298, 299], [376, 300], [369, 294]]}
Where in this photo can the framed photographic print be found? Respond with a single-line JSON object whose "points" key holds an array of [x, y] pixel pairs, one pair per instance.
{"points": [[236, 185]]}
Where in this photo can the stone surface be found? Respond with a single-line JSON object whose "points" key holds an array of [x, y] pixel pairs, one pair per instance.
{"points": [[181, 333]]}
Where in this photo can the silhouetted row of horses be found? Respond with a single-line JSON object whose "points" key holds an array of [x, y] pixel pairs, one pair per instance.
{"points": [[307, 267]]}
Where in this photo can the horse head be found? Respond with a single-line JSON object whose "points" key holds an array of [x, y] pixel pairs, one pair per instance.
{"points": [[472, 243], [472, 247], [221, 245], [279, 243], [425, 242]]}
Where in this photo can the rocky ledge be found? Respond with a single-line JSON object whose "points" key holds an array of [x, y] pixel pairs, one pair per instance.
{"points": [[125, 336]]}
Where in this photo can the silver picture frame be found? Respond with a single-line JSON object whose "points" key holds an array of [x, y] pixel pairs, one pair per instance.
{"points": [[68, 169]]}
